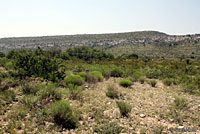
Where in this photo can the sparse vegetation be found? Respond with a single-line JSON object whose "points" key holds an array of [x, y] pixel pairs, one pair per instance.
{"points": [[112, 92], [90, 91], [125, 83], [124, 108], [153, 83], [64, 115]]}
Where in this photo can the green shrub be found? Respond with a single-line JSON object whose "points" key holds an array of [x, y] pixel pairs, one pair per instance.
{"points": [[64, 115], [7, 83], [106, 73], [125, 83], [136, 76], [190, 88], [124, 108], [180, 103], [142, 80], [2, 54], [29, 89], [94, 76], [29, 63], [83, 75], [30, 101], [117, 72], [75, 92], [112, 93], [153, 83], [49, 92], [7, 96], [74, 79], [9, 65], [108, 128], [153, 74], [18, 113], [167, 82]]}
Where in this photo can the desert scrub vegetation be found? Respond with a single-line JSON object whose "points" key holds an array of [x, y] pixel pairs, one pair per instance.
{"points": [[125, 83], [112, 92], [75, 91], [35, 90], [109, 128], [94, 76], [75, 80], [153, 83], [167, 82], [64, 115], [124, 108]]}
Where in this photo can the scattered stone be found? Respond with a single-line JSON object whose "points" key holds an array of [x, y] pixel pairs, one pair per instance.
{"points": [[109, 103], [142, 115], [180, 127]]}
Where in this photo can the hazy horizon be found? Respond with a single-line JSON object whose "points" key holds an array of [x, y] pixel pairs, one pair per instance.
{"points": [[66, 17]]}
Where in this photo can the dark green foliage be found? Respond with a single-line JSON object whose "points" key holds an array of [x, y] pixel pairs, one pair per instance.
{"points": [[117, 72], [142, 80], [133, 56], [153, 74], [94, 76], [125, 83], [86, 53], [2, 54], [109, 128], [75, 80], [167, 82], [64, 115], [153, 83], [38, 64], [124, 108], [112, 93]]}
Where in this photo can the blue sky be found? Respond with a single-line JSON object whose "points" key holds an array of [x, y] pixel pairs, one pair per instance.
{"points": [[63, 17]]}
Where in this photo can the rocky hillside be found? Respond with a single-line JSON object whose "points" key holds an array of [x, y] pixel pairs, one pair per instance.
{"points": [[145, 43]]}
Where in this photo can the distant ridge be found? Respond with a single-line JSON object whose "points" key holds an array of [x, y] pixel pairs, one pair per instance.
{"points": [[143, 43]]}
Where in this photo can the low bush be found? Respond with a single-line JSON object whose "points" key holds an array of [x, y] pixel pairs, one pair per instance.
{"points": [[75, 92], [125, 83], [27, 88], [7, 96], [108, 128], [167, 82], [142, 80], [153, 83], [83, 75], [112, 93], [94, 76], [117, 72], [153, 74], [124, 108], [49, 92], [74, 79], [180, 103], [30, 101], [64, 115]]}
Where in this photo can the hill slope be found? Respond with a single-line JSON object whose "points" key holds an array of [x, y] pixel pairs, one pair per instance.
{"points": [[144, 43]]}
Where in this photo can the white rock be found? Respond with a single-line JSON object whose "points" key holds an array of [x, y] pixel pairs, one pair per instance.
{"points": [[142, 115], [109, 103], [180, 127]]}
